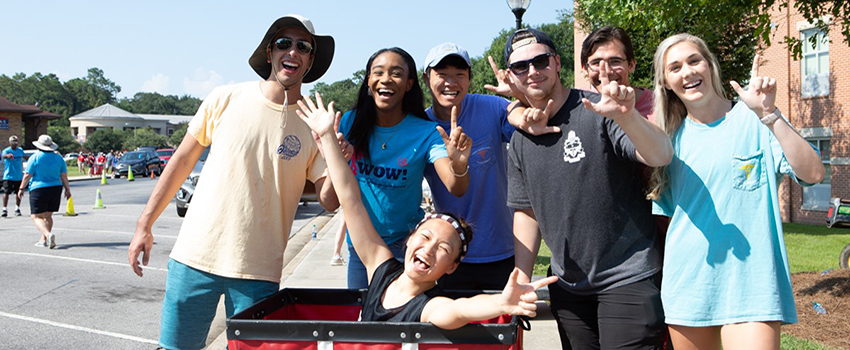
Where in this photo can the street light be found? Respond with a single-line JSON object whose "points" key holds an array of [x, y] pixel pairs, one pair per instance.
{"points": [[518, 7]]}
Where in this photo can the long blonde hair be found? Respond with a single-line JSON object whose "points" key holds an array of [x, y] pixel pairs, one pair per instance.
{"points": [[669, 109]]}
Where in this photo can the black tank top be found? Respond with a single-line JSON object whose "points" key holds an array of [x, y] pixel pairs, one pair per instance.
{"points": [[411, 311]]}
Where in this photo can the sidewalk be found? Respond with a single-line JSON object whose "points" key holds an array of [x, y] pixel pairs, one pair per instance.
{"points": [[310, 267]]}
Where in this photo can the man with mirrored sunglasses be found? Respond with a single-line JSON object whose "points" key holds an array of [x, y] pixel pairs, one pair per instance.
{"points": [[580, 189], [232, 239]]}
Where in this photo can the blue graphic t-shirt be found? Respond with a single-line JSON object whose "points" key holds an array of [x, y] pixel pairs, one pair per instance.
{"points": [[391, 180], [13, 168], [484, 119], [46, 169]]}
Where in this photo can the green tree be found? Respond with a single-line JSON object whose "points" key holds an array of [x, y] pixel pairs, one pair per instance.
{"points": [[92, 91], [44, 91], [104, 140], [178, 135], [561, 33], [342, 92], [63, 137], [145, 137], [728, 28], [813, 11]]}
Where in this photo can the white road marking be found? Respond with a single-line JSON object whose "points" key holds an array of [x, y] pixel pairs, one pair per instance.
{"points": [[78, 328], [104, 231], [83, 260]]}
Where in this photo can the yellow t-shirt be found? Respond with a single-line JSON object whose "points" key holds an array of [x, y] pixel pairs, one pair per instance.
{"points": [[249, 189]]}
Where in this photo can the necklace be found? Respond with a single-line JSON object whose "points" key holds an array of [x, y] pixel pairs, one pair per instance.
{"points": [[384, 142]]}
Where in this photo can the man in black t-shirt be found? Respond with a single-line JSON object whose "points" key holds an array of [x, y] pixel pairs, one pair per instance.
{"points": [[581, 190]]}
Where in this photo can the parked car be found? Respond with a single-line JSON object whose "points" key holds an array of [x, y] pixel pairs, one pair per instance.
{"points": [[165, 154], [187, 189], [184, 194], [71, 156], [139, 162]]}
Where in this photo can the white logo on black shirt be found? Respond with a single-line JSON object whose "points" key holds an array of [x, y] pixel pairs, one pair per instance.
{"points": [[573, 152]]}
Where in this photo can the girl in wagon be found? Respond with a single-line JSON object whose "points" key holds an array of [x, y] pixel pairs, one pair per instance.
{"points": [[408, 291]]}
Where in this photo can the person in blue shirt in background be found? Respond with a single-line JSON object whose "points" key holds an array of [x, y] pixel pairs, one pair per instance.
{"points": [[46, 176], [483, 118], [13, 162]]}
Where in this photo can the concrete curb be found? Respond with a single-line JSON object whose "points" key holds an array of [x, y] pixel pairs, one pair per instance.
{"points": [[82, 178], [294, 254]]}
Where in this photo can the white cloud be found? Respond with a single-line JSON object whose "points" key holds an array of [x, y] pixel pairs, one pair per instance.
{"points": [[202, 83], [157, 83]]}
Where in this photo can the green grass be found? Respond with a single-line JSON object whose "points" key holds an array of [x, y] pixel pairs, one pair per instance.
{"points": [[811, 248], [790, 342], [814, 248]]}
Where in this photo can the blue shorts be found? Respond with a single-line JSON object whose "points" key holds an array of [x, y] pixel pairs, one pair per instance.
{"points": [[357, 278], [191, 298]]}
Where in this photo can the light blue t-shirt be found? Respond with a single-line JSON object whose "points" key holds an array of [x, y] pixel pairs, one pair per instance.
{"points": [[46, 169], [724, 257], [484, 119], [391, 181], [13, 169]]}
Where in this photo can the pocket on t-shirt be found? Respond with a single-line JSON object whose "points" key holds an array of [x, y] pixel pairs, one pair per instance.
{"points": [[748, 171]]}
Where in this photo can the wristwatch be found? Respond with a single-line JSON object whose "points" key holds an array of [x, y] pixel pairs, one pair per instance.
{"points": [[772, 117]]}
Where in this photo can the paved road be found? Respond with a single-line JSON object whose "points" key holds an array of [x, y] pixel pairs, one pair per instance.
{"points": [[83, 294]]}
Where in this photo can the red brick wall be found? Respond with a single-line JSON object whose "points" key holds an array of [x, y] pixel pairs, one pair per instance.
{"points": [[816, 112], [14, 128]]}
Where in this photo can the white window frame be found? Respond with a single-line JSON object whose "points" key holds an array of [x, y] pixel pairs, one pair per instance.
{"points": [[814, 85], [826, 185]]}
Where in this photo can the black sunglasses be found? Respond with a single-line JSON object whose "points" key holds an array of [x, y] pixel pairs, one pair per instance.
{"points": [[539, 62], [284, 43]]}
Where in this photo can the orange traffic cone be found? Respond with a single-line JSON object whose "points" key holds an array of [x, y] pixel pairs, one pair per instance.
{"points": [[153, 175]]}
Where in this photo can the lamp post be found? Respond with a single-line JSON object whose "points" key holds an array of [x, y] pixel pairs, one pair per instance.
{"points": [[518, 7]]}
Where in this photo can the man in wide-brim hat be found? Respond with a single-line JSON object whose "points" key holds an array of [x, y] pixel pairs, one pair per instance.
{"points": [[233, 238]]}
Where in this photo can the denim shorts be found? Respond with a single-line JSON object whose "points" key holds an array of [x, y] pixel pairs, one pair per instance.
{"points": [[191, 298]]}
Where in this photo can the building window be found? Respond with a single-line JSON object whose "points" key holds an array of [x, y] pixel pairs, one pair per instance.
{"points": [[815, 64], [817, 197]]}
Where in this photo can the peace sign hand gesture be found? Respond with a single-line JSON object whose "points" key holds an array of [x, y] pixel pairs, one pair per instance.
{"points": [[760, 95], [458, 145], [519, 298], [617, 102]]}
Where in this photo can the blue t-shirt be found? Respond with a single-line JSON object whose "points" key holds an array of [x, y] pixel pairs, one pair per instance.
{"points": [[13, 168], [391, 180], [724, 257], [46, 169], [484, 119]]}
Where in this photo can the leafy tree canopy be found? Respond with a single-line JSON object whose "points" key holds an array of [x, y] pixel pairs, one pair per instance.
{"points": [[726, 26], [61, 135], [155, 103], [825, 15], [105, 140], [144, 137], [177, 137]]}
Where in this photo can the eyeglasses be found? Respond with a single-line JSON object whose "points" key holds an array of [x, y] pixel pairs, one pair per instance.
{"points": [[614, 62], [284, 43], [539, 62]]}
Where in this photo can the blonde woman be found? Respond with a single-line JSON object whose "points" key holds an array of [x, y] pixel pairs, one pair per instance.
{"points": [[726, 277]]}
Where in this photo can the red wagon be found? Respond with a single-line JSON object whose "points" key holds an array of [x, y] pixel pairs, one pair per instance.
{"points": [[324, 319]]}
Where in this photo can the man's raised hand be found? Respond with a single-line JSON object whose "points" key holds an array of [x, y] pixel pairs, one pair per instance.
{"points": [[458, 145], [617, 101], [505, 87]]}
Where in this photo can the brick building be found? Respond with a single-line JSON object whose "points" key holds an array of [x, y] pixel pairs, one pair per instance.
{"points": [[811, 93], [18, 119]]}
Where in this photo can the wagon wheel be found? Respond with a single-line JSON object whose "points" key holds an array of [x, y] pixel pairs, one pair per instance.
{"points": [[845, 257]]}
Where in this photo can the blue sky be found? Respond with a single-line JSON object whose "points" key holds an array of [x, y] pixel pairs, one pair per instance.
{"points": [[189, 47]]}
